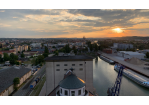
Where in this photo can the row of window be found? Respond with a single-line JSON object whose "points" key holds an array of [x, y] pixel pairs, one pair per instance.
{"points": [[67, 64], [67, 69], [73, 92]]}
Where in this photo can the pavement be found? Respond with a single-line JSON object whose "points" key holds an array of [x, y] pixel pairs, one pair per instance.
{"points": [[25, 89], [136, 68]]}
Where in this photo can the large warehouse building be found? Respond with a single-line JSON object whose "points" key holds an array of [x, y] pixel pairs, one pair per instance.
{"points": [[57, 66], [130, 54], [7, 76]]}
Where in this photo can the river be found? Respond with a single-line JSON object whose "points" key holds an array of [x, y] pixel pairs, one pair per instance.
{"points": [[104, 76]]}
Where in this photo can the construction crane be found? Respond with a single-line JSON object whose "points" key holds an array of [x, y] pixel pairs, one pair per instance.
{"points": [[114, 91]]}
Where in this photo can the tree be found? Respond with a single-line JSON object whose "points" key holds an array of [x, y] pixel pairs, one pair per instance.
{"points": [[17, 63], [74, 49], [53, 47], [46, 52], [147, 54], [13, 58], [40, 58], [6, 57], [1, 59], [22, 55], [67, 48], [18, 51], [16, 81], [29, 49], [56, 52], [33, 61]]}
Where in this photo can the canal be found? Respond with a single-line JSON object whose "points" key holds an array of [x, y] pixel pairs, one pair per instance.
{"points": [[104, 76]]}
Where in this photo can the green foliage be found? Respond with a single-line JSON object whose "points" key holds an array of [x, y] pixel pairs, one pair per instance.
{"points": [[46, 52], [147, 54], [18, 51], [6, 57], [16, 81], [1, 59], [38, 60], [56, 52], [67, 48], [53, 47], [74, 49], [17, 63], [22, 55], [13, 58]]}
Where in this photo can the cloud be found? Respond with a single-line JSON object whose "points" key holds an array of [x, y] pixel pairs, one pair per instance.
{"points": [[55, 22]]}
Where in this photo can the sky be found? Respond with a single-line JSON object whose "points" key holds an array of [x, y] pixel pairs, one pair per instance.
{"points": [[73, 23]]}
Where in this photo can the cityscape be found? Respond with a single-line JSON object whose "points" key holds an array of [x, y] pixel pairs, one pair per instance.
{"points": [[84, 52]]}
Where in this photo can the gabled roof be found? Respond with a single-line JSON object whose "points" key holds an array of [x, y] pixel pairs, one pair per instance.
{"points": [[7, 76]]}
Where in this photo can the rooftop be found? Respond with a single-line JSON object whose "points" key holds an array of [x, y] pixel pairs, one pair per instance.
{"points": [[69, 58], [7, 76], [131, 53], [72, 82]]}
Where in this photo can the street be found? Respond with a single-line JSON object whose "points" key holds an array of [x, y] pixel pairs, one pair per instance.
{"points": [[25, 90]]}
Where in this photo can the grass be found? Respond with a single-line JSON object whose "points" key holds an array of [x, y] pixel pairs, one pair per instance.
{"points": [[38, 87], [27, 62]]}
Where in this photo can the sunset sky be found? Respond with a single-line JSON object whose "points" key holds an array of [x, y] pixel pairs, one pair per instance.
{"points": [[91, 23]]}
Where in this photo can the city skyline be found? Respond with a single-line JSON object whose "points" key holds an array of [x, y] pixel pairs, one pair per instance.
{"points": [[63, 23]]}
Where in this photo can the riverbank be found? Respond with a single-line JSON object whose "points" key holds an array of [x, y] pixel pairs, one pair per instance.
{"points": [[137, 68]]}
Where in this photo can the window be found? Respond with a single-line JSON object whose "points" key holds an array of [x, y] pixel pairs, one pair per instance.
{"points": [[79, 92], [81, 64], [81, 69], [57, 64], [65, 64], [57, 69], [65, 69], [66, 92], [73, 64], [72, 93], [61, 91]]}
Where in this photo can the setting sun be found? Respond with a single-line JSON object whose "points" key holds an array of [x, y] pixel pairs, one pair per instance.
{"points": [[118, 30]]}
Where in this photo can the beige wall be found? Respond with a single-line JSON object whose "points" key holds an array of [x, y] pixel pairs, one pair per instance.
{"points": [[53, 77], [11, 89]]}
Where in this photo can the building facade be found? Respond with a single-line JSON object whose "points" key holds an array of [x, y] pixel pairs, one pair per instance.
{"points": [[57, 66]]}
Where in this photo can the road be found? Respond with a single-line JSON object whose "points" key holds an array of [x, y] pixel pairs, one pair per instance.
{"points": [[25, 90]]}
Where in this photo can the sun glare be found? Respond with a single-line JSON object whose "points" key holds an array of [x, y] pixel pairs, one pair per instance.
{"points": [[118, 30]]}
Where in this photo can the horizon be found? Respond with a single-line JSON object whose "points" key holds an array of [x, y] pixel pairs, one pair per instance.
{"points": [[70, 23]]}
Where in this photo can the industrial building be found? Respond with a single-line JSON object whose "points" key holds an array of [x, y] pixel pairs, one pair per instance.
{"points": [[7, 76], [122, 46], [57, 66], [130, 54]]}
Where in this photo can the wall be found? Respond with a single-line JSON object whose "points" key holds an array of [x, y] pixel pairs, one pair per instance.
{"points": [[53, 77], [69, 91]]}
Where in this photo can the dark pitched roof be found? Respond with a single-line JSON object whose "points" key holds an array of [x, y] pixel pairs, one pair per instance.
{"points": [[69, 58], [7, 76], [72, 82]]}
